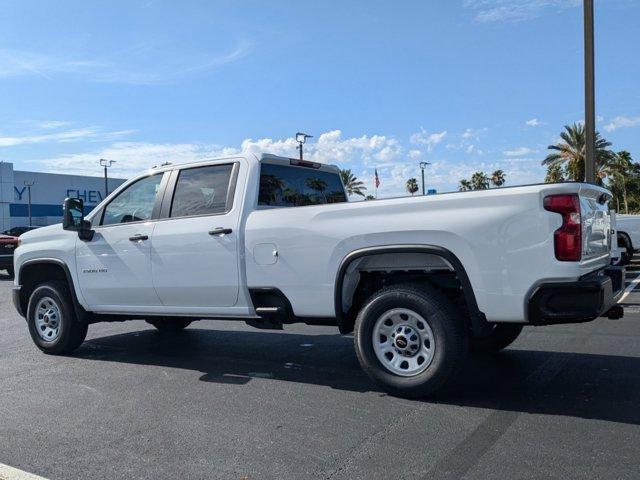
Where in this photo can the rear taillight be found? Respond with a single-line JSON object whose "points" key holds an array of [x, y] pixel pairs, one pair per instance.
{"points": [[568, 238]]}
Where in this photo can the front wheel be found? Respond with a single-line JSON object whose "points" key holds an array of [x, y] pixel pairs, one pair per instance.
{"points": [[410, 340], [52, 320]]}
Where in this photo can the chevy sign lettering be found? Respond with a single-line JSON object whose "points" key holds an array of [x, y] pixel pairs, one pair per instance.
{"points": [[88, 196]]}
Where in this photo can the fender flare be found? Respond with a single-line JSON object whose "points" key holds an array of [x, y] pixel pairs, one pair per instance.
{"points": [[478, 319], [80, 311]]}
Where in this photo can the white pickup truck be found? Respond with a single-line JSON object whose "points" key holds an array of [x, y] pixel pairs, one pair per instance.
{"points": [[272, 241]]}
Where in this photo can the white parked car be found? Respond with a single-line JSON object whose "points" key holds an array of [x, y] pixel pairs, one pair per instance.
{"points": [[272, 240], [628, 229]]}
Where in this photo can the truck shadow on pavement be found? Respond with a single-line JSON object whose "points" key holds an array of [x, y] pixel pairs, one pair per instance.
{"points": [[602, 387]]}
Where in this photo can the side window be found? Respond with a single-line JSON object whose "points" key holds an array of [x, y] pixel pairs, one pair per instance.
{"points": [[284, 186], [202, 191], [133, 204]]}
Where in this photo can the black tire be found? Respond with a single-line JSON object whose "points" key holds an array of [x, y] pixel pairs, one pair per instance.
{"points": [[450, 337], [168, 324], [71, 331], [499, 336], [625, 259], [11, 272], [625, 242]]}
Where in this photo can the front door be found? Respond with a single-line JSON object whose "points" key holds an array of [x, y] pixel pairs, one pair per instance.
{"points": [[194, 258], [114, 267]]}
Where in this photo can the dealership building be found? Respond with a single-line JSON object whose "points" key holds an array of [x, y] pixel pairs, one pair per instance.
{"points": [[48, 191]]}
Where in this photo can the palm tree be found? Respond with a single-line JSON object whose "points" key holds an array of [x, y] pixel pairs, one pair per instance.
{"points": [[465, 185], [479, 181], [498, 178], [554, 174], [570, 152], [351, 183], [619, 168], [412, 186]]}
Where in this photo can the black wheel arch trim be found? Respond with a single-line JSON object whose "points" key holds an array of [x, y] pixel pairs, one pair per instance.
{"points": [[478, 319], [80, 311]]}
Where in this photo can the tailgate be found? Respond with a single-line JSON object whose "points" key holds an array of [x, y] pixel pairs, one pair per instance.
{"points": [[596, 223]]}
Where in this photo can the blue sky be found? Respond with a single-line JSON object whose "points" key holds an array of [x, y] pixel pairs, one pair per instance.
{"points": [[465, 85]]}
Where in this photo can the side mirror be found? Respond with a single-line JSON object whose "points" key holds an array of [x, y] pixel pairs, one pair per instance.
{"points": [[73, 218]]}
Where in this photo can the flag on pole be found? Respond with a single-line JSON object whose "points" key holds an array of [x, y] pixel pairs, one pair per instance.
{"points": [[376, 178]]}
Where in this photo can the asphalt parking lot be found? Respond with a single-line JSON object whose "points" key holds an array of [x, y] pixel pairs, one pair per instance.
{"points": [[223, 400]]}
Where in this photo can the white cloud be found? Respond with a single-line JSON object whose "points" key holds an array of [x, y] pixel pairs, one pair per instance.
{"points": [[622, 121], [518, 152], [472, 149], [49, 124], [515, 10], [534, 122], [430, 140], [362, 154], [132, 157], [473, 133], [121, 68], [65, 136]]}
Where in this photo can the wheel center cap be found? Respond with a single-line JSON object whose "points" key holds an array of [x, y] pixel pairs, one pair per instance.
{"points": [[401, 342]]}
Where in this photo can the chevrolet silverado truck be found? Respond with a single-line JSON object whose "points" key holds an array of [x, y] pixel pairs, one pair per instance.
{"points": [[270, 241]]}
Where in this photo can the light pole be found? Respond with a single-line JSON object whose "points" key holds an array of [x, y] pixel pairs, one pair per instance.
{"points": [[29, 185], [106, 164], [589, 95], [301, 138], [423, 165]]}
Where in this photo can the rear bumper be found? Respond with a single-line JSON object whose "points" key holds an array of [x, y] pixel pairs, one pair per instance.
{"points": [[574, 302]]}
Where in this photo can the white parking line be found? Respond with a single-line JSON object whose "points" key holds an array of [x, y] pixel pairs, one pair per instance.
{"points": [[10, 473], [630, 288]]}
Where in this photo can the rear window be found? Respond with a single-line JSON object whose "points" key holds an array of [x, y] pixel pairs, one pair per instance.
{"points": [[284, 186]]}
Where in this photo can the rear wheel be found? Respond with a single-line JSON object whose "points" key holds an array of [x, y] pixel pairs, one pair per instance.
{"points": [[168, 324], [497, 337], [52, 320], [410, 340]]}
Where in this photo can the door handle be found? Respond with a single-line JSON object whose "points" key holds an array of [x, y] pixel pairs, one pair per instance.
{"points": [[220, 231], [138, 237]]}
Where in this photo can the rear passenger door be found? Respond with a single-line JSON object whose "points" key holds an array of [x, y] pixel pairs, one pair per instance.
{"points": [[194, 257]]}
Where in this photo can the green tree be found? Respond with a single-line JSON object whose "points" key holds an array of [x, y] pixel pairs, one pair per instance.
{"points": [[554, 173], [619, 170], [369, 197], [412, 186], [498, 178], [464, 185], [570, 152], [479, 181], [351, 183]]}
